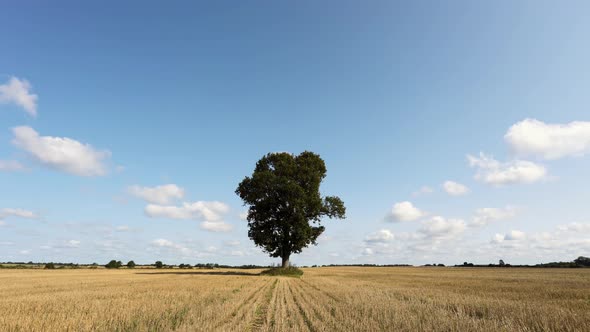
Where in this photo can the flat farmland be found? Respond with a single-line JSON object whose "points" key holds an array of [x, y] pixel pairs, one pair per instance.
{"points": [[323, 299]]}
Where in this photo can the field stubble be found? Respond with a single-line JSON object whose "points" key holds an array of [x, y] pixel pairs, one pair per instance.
{"points": [[324, 299]]}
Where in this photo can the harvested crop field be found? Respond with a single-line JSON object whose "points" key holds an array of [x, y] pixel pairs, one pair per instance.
{"points": [[323, 299]]}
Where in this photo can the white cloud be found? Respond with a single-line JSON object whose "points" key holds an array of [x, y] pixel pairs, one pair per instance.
{"points": [[493, 172], [18, 92], [575, 227], [405, 211], [455, 188], [163, 194], [72, 244], [243, 215], [233, 243], [123, 228], [20, 213], [498, 238], [531, 137], [368, 252], [484, 216], [238, 253], [211, 214], [438, 227], [381, 236], [11, 165], [514, 236], [24, 252], [163, 243], [61, 153], [208, 211], [216, 226], [424, 190]]}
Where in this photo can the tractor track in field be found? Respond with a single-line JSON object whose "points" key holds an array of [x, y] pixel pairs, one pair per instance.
{"points": [[241, 310], [262, 310]]}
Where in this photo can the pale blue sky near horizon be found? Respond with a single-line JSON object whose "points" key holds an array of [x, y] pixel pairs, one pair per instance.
{"points": [[394, 96]]}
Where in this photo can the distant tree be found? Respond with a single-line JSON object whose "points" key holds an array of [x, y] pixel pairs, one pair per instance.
{"points": [[113, 264], [131, 264], [159, 264], [583, 261], [50, 266], [502, 263], [441, 265], [283, 195]]}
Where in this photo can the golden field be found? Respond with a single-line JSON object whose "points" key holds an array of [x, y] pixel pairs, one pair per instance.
{"points": [[324, 299]]}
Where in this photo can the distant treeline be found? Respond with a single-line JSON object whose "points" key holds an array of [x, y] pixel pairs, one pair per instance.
{"points": [[579, 262], [360, 265]]}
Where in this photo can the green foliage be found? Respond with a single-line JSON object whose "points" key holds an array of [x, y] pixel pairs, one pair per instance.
{"points": [[285, 204], [131, 264], [582, 261], [290, 271], [50, 266], [159, 264], [113, 264]]}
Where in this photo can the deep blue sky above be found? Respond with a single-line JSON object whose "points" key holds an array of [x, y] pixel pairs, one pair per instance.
{"points": [[393, 96]]}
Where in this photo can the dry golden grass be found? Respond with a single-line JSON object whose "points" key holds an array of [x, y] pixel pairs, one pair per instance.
{"points": [[324, 299]]}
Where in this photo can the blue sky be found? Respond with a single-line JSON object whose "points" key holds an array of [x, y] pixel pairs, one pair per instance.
{"points": [[125, 128]]}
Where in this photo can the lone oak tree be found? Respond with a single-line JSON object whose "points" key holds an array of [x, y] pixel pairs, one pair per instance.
{"points": [[285, 204]]}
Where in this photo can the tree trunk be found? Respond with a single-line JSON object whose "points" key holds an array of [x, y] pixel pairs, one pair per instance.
{"points": [[285, 261]]}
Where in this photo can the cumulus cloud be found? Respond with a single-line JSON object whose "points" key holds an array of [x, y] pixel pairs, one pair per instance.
{"points": [[454, 188], [381, 236], [513, 235], [71, 244], [162, 195], [167, 244], [238, 253], [484, 216], [575, 227], [216, 226], [162, 243], [497, 173], [368, 252], [61, 153], [243, 215], [11, 166], [18, 92], [211, 213], [20, 213], [532, 137], [438, 227], [405, 211]]}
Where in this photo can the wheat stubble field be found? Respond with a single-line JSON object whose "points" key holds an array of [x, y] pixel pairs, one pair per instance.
{"points": [[324, 299]]}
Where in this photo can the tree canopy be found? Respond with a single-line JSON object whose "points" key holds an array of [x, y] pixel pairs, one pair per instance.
{"points": [[285, 204]]}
